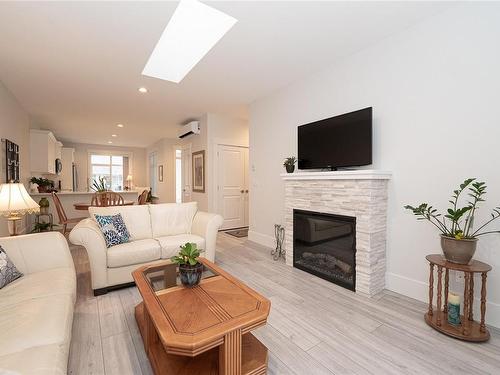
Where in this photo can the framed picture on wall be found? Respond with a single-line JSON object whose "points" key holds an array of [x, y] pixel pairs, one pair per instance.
{"points": [[160, 173], [11, 161], [199, 171]]}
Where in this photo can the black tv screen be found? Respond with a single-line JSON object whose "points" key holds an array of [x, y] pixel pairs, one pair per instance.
{"points": [[340, 141]]}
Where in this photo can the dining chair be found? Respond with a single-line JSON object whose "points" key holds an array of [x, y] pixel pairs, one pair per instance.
{"points": [[107, 198], [143, 197], [63, 218]]}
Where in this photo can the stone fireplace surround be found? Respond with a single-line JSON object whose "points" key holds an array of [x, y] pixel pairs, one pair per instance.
{"points": [[358, 193]]}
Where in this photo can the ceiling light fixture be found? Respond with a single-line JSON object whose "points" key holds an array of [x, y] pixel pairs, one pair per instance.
{"points": [[114, 135], [120, 125], [191, 32], [143, 90], [110, 142]]}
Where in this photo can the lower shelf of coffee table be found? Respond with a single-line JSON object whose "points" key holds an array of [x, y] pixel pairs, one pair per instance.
{"points": [[474, 332], [254, 356]]}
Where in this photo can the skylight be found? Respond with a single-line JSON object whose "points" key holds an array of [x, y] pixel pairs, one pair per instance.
{"points": [[192, 31]]}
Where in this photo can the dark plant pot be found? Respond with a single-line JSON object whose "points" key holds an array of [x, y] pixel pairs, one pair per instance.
{"points": [[42, 189], [290, 168], [458, 251], [190, 275]]}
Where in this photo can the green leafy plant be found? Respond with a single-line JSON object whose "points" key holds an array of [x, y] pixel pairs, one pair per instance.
{"points": [[290, 161], [458, 221], [187, 256], [100, 185], [42, 227], [41, 181]]}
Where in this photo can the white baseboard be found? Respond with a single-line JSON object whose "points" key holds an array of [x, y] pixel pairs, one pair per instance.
{"points": [[261, 239], [420, 291]]}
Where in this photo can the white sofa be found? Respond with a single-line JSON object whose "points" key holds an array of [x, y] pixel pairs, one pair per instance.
{"points": [[156, 233], [36, 310]]}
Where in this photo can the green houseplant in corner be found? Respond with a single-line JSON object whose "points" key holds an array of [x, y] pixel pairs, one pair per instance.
{"points": [[289, 164], [100, 185], [190, 269], [458, 236]]}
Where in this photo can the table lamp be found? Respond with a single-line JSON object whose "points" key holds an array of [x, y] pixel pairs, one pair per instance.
{"points": [[129, 182], [14, 203]]}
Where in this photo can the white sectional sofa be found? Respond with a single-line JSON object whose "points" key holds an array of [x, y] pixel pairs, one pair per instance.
{"points": [[36, 310], [156, 233]]}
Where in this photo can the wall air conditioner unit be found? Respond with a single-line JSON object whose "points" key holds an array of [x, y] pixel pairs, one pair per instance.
{"points": [[192, 128]]}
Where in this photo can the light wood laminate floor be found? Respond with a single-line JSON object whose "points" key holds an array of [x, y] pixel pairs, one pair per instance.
{"points": [[314, 327]]}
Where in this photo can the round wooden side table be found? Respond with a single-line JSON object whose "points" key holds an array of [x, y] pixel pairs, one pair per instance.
{"points": [[468, 329]]}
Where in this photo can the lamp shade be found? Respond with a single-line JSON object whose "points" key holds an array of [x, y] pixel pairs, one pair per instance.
{"points": [[129, 177], [15, 200]]}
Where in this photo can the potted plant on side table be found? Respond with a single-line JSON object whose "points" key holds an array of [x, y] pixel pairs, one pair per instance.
{"points": [[289, 164], [458, 236], [190, 269]]}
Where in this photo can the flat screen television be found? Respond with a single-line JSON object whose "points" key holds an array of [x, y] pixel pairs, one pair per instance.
{"points": [[340, 141]]}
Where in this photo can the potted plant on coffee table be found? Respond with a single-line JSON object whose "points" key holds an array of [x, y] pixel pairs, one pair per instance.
{"points": [[458, 235], [289, 164], [190, 269]]}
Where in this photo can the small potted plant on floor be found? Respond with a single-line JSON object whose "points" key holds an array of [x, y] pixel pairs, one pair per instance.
{"points": [[289, 164], [458, 236], [44, 206], [43, 184], [190, 269]]}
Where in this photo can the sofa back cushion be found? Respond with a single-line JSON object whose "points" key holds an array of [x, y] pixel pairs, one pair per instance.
{"points": [[136, 218], [168, 219]]}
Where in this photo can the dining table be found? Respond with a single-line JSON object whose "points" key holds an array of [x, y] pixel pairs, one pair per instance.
{"points": [[83, 206]]}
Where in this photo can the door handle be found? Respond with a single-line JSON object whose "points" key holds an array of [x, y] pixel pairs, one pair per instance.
{"points": [[246, 191], [242, 191]]}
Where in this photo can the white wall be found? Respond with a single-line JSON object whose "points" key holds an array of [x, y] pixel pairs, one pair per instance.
{"points": [[434, 92], [14, 126], [165, 151], [82, 162]]}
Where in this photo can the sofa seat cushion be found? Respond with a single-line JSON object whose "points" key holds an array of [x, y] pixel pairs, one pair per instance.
{"points": [[135, 252], [170, 245], [36, 322], [38, 360], [136, 218], [169, 219], [53, 282]]}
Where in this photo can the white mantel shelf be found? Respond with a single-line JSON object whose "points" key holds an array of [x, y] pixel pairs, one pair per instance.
{"points": [[360, 174]]}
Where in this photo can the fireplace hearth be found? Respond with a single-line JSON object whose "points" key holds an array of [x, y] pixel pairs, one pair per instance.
{"points": [[325, 245]]}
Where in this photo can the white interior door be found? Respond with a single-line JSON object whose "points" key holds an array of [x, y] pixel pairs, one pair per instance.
{"points": [[186, 174], [232, 185]]}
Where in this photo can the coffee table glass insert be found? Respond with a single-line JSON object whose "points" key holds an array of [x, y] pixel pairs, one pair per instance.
{"points": [[167, 276]]}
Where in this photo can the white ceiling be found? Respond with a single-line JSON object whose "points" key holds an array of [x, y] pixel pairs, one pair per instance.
{"points": [[76, 66]]}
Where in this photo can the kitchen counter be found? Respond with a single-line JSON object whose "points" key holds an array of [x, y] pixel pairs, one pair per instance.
{"points": [[83, 193]]}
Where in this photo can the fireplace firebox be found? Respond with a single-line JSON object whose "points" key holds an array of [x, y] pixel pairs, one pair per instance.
{"points": [[325, 245]]}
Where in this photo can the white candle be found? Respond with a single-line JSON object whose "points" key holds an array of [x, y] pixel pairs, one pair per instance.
{"points": [[453, 298]]}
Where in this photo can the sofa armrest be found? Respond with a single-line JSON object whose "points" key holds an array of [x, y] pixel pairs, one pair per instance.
{"points": [[38, 252], [88, 234], [207, 226]]}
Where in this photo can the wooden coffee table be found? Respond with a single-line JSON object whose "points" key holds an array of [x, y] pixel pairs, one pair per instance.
{"points": [[200, 330]]}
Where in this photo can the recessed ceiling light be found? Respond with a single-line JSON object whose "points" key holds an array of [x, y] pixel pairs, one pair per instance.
{"points": [[110, 142], [120, 125], [191, 32], [114, 135], [143, 90]]}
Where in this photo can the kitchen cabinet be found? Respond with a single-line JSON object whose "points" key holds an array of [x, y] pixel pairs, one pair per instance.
{"points": [[42, 151]]}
